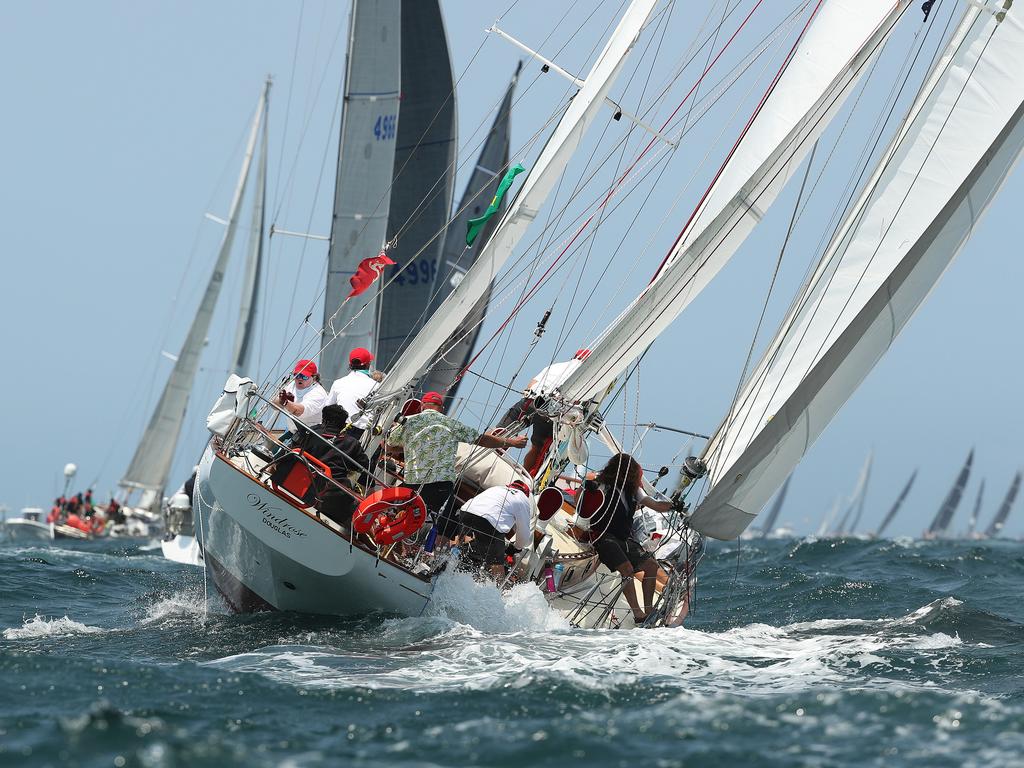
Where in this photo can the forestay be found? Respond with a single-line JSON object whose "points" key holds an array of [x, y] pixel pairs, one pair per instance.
{"points": [[578, 116], [819, 74], [151, 463], [366, 158], [949, 159]]}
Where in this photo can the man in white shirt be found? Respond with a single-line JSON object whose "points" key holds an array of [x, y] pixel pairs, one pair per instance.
{"points": [[350, 389], [304, 398], [525, 411], [489, 517]]}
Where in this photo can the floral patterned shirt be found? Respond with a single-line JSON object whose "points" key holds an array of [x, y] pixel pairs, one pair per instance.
{"points": [[430, 440]]}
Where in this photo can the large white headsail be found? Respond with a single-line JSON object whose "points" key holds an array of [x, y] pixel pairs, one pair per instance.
{"points": [[553, 159], [151, 463], [823, 69], [949, 159]]}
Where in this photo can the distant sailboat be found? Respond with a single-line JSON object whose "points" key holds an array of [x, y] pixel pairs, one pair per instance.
{"points": [[945, 514], [996, 526], [973, 522], [457, 257], [856, 505], [891, 515], [773, 513], [151, 464]]}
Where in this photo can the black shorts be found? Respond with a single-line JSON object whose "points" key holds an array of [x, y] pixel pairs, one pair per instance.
{"points": [[487, 546], [613, 552], [439, 500], [525, 412]]}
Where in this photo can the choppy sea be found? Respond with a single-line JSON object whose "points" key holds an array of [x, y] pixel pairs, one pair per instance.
{"points": [[799, 653]]}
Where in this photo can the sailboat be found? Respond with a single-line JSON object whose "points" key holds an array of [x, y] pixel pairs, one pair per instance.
{"points": [[944, 516], [150, 466], [972, 522], [768, 526], [996, 526], [891, 514], [855, 507], [267, 548]]}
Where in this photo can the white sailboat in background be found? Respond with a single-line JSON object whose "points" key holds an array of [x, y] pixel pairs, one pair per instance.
{"points": [[944, 164], [855, 507]]}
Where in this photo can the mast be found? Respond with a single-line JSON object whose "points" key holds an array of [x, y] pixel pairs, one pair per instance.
{"points": [[821, 71], [366, 159], [773, 515], [151, 464], [890, 516], [254, 259], [948, 160], [577, 118], [424, 177], [972, 523], [999, 520], [457, 257], [949, 505]]}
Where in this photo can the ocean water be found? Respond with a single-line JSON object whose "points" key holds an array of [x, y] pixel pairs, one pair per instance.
{"points": [[799, 653]]}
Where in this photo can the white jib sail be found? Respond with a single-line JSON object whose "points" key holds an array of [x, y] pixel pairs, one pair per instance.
{"points": [[949, 159], [826, 65], [151, 463], [541, 180]]}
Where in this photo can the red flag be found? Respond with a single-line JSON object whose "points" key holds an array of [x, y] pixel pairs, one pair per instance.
{"points": [[369, 270]]}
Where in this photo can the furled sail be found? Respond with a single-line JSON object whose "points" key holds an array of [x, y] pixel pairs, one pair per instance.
{"points": [[949, 505], [457, 257], [575, 121], [1004, 509], [151, 463], [820, 73], [946, 163], [856, 506], [773, 514], [891, 514], [424, 177], [253, 262], [366, 159]]}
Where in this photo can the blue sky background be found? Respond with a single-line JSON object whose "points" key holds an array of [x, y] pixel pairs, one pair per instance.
{"points": [[124, 124]]}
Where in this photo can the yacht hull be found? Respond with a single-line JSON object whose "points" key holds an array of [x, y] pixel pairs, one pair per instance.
{"points": [[21, 529]]}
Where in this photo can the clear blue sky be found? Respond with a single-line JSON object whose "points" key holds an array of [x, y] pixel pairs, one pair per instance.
{"points": [[123, 125]]}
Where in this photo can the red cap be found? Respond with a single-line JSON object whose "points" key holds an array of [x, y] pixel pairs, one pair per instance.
{"points": [[519, 485], [582, 354], [432, 398], [307, 367], [360, 356]]}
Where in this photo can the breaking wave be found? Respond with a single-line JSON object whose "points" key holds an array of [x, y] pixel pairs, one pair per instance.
{"points": [[39, 626]]}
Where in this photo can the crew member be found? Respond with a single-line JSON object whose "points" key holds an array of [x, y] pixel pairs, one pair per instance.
{"points": [[489, 518], [350, 389], [343, 454], [526, 410], [430, 441], [304, 397], [611, 529]]}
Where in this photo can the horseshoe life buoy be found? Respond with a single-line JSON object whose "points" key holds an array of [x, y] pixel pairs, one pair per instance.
{"points": [[390, 514]]}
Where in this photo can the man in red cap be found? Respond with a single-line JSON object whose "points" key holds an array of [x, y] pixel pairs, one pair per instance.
{"points": [[525, 411], [304, 398], [430, 441], [353, 387]]}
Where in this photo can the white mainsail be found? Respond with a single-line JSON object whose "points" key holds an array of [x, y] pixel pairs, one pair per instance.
{"points": [[366, 159], [578, 117], [253, 262], [954, 150], [823, 69], [151, 464]]}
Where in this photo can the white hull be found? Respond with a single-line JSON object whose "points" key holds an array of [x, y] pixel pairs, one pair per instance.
{"points": [[182, 549], [22, 529], [264, 553]]}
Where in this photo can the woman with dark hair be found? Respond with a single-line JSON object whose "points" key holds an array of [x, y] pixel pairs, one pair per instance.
{"points": [[611, 528]]}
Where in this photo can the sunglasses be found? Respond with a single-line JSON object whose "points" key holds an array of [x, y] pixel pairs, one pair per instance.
{"points": [[301, 376]]}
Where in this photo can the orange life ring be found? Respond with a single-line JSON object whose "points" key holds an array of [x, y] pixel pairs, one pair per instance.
{"points": [[390, 514]]}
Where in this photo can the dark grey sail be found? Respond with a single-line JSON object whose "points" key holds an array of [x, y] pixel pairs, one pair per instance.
{"points": [[366, 160], [891, 515], [1004, 509], [945, 514], [973, 522], [457, 257], [773, 514], [424, 177]]}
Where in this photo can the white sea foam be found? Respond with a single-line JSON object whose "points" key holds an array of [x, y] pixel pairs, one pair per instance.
{"points": [[186, 604], [39, 626]]}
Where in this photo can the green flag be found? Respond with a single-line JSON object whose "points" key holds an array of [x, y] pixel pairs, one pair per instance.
{"points": [[475, 225]]}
